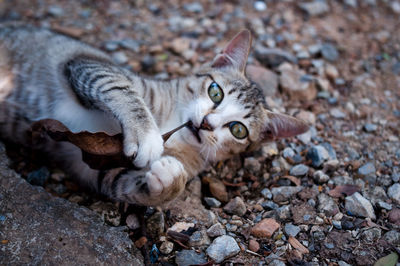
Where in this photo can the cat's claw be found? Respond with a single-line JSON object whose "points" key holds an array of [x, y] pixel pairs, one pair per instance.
{"points": [[166, 177], [146, 149]]}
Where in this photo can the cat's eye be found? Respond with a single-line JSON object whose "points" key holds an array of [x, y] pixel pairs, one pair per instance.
{"points": [[215, 92], [238, 130]]}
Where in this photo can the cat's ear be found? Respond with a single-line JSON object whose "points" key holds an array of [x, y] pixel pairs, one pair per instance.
{"points": [[282, 126], [235, 53]]}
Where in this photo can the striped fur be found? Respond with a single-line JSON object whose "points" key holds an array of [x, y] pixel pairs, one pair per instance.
{"points": [[45, 75]]}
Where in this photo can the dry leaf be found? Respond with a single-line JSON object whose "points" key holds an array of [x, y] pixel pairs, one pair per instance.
{"points": [[294, 179], [99, 150], [346, 190]]}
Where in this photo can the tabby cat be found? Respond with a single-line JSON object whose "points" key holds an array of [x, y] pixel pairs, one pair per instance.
{"points": [[48, 75]]}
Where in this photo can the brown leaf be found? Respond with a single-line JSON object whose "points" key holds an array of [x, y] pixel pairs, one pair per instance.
{"points": [[294, 179], [99, 150], [346, 190], [297, 245]]}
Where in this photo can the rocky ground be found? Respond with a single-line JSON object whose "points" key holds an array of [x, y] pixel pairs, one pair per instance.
{"points": [[328, 197]]}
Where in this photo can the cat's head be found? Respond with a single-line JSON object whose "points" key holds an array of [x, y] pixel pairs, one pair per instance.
{"points": [[228, 112]]}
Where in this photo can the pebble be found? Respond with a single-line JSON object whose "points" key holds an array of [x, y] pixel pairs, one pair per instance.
{"points": [[368, 127], [283, 212], [38, 177], [130, 44], [357, 205], [216, 230], [55, 11], [337, 224], [269, 205], [318, 155], [222, 248], [155, 224], [212, 202], [329, 52], [179, 45], [266, 193], [166, 247], [320, 177], [393, 237], [331, 72], [299, 170], [111, 46], [296, 84], [273, 57], [254, 245], [265, 79], [194, 7], [394, 192], [252, 164], [329, 245], [352, 3], [132, 222], [371, 234], [265, 228], [181, 226], [384, 205], [366, 170], [190, 257], [288, 153], [315, 8], [284, 193], [260, 6], [199, 239], [337, 113], [291, 230], [394, 216], [236, 206], [120, 58], [327, 205]]}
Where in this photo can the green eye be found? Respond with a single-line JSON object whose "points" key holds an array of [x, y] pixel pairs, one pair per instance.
{"points": [[215, 92], [238, 130]]}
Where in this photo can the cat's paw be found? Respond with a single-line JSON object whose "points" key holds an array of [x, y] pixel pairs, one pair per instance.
{"points": [[144, 148], [166, 178]]}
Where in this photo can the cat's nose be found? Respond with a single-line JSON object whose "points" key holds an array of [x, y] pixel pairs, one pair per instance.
{"points": [[206, 125]]}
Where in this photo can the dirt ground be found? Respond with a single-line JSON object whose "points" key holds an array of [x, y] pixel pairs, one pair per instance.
{"points": [[345, 57]]}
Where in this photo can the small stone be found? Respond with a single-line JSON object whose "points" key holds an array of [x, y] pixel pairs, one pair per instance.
{"points": [[291, 230], [393, 237], [337, 113], [236, 206], [337, 224], [260, 6], [218, 190], [130, 44], [222, 248], [371, 234], [108, 212], [283, 212], [111, 46], [273, 57], [265, 228], [252, 164], [55, 11], [394, 216], [343, 263], [329, 245], [367, 169], [299, 170], [195, 7], [189, 257], [327, 205], [394, 192], [266, 79], [318, 155], [254, 245], [179, 45], [132, 222], [284, 193], [359, 206], [38, 177], [266, 193], [315, 8], [269, 205], [288, 153], [368, 127], [384, 205], [352, 3], [120, 58], [147, 62], [320, 177], [331, 72], [329, 52], [212, 202], [199, 239], [348, 225], [216, 230], [294, 83], [141, 242], [166, 247], [155, 224], [181, 226], [269, 150]]}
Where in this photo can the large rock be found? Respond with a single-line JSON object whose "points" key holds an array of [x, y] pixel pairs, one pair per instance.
{"points": [[41, 229]]}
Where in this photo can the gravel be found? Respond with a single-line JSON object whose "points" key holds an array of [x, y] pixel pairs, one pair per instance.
{"points": [[357, 205], [222, 248]]}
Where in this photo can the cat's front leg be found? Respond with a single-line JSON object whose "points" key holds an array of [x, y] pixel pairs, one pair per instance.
{"points": [[164, 180]]}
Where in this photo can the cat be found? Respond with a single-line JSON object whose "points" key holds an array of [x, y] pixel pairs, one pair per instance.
{"points": [[48, 75]]}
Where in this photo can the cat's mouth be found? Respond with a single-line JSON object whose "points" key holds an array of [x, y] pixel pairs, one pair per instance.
{"points": [[194, 130]]}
